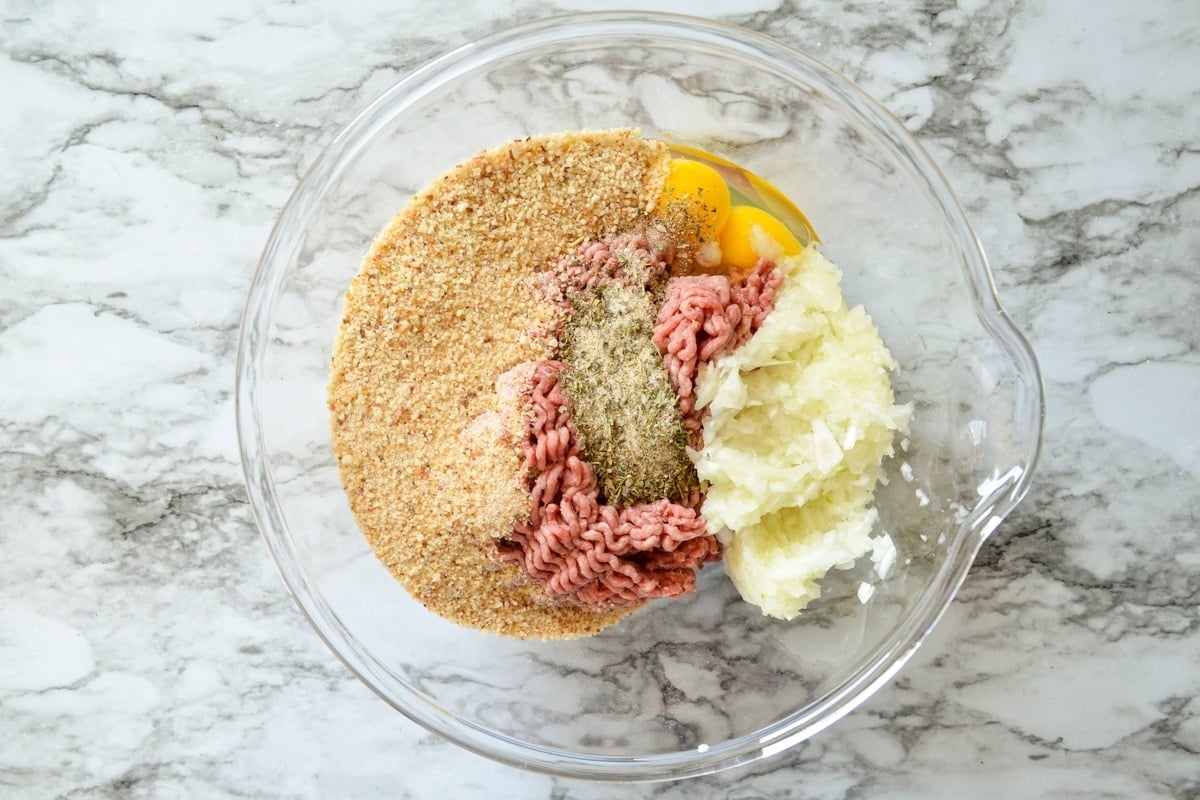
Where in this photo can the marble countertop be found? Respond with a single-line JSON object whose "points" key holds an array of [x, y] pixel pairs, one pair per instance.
{"points": [[147, 645]]}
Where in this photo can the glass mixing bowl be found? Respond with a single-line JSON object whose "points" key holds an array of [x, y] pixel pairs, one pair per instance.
{"points": [[691, 686]]}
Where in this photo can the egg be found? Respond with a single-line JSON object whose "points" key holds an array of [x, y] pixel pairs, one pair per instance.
{"points": [[742, 245], [697, 192]]}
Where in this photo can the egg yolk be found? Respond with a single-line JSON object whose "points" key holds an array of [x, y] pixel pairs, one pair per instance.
{"points": [[741, 247], [699, 192], [777, 201]]}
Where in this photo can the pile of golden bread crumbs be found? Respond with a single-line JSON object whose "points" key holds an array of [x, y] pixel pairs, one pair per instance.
{"points": [[442, 305]]}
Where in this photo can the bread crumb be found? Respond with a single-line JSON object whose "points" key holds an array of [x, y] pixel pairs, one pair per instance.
{"points": [[442, 306]]}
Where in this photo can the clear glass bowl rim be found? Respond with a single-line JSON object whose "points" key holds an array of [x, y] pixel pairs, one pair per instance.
{"points": [[597, 27]]}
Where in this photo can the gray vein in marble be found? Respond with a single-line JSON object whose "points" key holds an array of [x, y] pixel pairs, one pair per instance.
{"points": [[156, 652]]}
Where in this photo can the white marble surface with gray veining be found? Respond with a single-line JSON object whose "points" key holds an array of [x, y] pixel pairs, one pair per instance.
{"points": [[147, 645]]}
